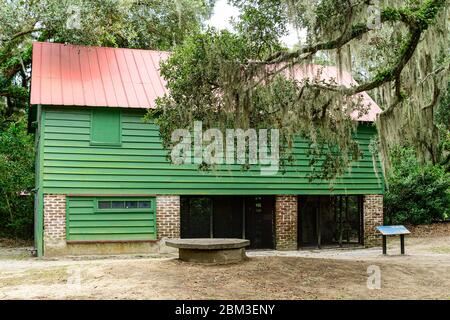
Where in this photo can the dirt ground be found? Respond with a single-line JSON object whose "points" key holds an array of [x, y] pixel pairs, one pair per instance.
{"points": [[423, 273]]}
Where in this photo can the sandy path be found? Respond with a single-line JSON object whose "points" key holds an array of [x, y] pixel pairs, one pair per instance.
{"points": [[424, 273]]}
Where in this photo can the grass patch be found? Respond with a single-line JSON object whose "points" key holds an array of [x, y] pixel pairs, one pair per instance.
{"points": [[15, 256], [43, 276], [441, 250]]}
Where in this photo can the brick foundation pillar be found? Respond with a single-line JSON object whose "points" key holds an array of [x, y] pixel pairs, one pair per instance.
{"points": [[54, 223], [286, 222], [168, 216], [373, 217]]}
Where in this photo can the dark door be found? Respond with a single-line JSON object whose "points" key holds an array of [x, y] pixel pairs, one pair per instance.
{"points": [[227, 217], [307, 229], [196, 217], [259, 221]]}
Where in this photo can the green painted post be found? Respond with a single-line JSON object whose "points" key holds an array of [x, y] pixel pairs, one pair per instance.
{"points": [[39, 203]]}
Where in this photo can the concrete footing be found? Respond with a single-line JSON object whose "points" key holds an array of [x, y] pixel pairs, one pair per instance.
{"points": [[213, 256]]}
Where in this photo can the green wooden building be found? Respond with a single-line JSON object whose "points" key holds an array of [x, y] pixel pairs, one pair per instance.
{"points": [[104, 183]]}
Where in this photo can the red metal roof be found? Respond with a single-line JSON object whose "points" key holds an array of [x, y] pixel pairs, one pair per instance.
{"points": [[95, 76], [129, 78]]}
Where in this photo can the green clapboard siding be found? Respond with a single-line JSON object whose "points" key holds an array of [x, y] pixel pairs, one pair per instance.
{"points": [[139, 165], [86, 222]]}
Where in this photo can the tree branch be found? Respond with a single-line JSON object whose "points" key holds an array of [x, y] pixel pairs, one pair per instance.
{"points": [[416, 23], [25, 32], [389, 74], [283, 56]]}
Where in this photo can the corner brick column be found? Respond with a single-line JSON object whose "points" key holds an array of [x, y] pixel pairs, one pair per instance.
{"points": [[54, 223], [168, 216], [286, 222], [373, 217]]}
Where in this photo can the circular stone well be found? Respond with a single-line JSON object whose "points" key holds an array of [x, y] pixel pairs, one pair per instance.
{"points": [[210, 250]]}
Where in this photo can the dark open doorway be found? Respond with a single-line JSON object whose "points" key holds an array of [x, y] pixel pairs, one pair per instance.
{"points": [[247, 217], [330, 220]]}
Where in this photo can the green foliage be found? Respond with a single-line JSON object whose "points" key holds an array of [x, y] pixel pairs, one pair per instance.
{"points": [[17, 180], [233, 78], [443, 110], [426, 14], [418, 14], [195, 65], [391, 14], [443, 123], [144, 24], [207, 73], [262, 23], [417, 194]]}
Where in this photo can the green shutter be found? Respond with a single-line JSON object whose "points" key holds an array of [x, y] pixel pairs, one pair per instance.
{"points": [[106, 127], [87, 221]]}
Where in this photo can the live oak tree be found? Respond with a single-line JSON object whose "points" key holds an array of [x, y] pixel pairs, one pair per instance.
{"points": [[396, 49]]}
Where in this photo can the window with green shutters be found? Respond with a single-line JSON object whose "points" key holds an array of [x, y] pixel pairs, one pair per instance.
{"points": [[110, 218], [106, 128]]}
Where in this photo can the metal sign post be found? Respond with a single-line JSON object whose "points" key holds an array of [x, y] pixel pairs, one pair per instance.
{"points": [[393, 231]]}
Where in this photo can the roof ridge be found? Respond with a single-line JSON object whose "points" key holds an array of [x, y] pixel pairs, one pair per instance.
{"points": [[91, 46]]}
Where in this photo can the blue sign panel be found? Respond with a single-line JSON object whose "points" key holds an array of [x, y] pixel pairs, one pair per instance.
{"points": [[393, 230]]}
